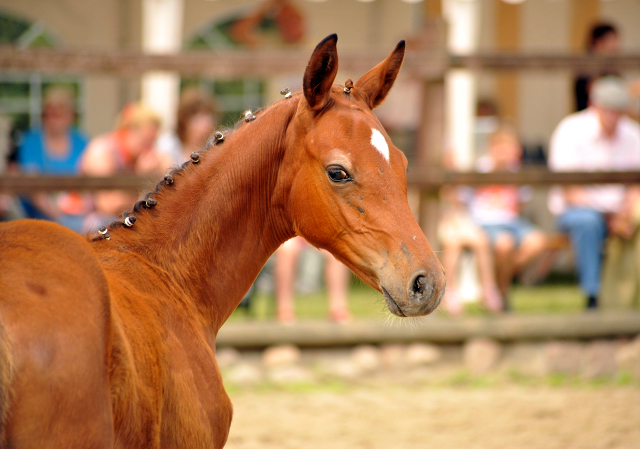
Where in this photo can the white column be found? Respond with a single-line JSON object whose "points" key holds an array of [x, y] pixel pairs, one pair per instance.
{"points": [[463, 17], [162, 34]]}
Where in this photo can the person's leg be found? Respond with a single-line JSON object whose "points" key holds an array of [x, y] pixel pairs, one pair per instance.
{"points": [[504, 249], [531, 246], [285, 274], [451, 251], [337, 280], [587, 230], [487, 271]]}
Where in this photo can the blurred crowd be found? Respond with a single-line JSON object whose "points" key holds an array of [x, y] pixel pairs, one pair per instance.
{"points": [[486, 222], [601, 135], [135, 146]]}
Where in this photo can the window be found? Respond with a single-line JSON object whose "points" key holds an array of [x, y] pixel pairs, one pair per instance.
{"points": [[21, 93], [232, 96]]}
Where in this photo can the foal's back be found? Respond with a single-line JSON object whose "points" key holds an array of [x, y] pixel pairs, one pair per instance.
{"points": [[99, 348], [54, 324]]}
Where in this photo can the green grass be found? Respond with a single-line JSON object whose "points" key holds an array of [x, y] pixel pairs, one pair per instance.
{"points": [[549, 298], [366, 303]]}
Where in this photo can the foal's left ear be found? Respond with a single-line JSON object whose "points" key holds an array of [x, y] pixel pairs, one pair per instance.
{"points": [[321, 72], [374, 85]]}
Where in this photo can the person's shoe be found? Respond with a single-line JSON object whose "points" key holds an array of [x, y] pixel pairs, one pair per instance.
{"points": [[592, 302]]}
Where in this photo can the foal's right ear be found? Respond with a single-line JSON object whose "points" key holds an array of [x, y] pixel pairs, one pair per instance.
{"points": [[376, 83], [321, 72]]}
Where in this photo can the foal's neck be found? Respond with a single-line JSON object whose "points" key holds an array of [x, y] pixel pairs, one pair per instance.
{"points": [[214, 228]]}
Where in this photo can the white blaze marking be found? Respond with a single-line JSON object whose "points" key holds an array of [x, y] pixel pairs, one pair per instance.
{"points": [[379, 142]]}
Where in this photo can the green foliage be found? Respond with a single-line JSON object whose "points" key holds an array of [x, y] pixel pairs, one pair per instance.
{"points": [[11, 28], [11, 89]]}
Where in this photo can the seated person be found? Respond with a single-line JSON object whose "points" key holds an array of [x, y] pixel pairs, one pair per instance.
{"points": [[130, 149], [195, 123], [456, 233], [496, 208], [599, 138], [603, 40], [55, 148]]}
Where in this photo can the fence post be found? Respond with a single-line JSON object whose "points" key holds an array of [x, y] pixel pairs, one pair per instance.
{"points": [[430, 136]]}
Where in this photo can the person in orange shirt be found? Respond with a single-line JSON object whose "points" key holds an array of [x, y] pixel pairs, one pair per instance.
{"points": [[129, 149]]}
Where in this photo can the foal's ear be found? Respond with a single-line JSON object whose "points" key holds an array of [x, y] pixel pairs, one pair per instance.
{"points": [[320, 73], [376, 83]]}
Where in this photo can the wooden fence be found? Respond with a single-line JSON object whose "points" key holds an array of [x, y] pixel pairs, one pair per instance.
{"points": [[425, 180], [422, 63], [434, 329]]}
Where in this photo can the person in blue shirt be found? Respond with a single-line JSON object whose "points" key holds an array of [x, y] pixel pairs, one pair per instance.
{"points": [[55, 149]]}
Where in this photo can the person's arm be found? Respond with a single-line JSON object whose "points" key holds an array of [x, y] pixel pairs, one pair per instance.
{"points": [[152, 162], [564, 155], [625, 221], [26, 153], [634, 90], [99, 160], [28, 163], [622, 223]]}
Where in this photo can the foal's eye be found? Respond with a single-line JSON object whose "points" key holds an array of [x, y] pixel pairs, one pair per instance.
{"points": [[338, 174]]}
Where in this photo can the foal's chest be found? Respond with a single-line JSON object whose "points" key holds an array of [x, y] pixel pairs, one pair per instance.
{"points": [[196, 410]]}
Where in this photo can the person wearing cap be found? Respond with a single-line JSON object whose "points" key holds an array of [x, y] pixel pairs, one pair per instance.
{"points": [[599, 138], [54, 148]]}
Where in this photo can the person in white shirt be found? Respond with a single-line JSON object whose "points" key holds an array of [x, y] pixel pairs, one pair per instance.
{"points": [[599, 138]]}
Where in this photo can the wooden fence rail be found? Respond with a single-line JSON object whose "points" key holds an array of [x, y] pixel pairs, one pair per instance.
{"points": [[428, 64], [581, 63], [221, 63], [433, 329], [425, 180]]}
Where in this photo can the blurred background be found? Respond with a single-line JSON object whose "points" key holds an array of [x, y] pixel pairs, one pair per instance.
{"points": [[511, 361], [471, 66], [535, 99]]}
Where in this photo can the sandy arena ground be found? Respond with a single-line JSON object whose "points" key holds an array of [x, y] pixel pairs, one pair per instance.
{"points": [[491, 417]]}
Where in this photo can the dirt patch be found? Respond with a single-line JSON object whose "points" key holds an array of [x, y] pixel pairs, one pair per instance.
{"points": [[492, 417]]}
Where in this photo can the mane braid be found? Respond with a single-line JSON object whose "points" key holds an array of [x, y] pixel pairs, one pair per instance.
{"points": [[142, 205], [176, 171], [242, 121]]}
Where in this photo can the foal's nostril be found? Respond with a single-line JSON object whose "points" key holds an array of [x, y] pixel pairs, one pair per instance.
{"points": [[420, 289], [420, 285]]}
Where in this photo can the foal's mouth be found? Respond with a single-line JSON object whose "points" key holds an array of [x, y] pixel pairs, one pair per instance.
{"points": [[391, 304]]}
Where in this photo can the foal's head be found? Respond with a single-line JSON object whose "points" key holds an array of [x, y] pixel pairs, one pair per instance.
{"points": [[349, 189]]}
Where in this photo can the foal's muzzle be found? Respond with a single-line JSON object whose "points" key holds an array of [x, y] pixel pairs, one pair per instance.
{"points": [[421, 296]]}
